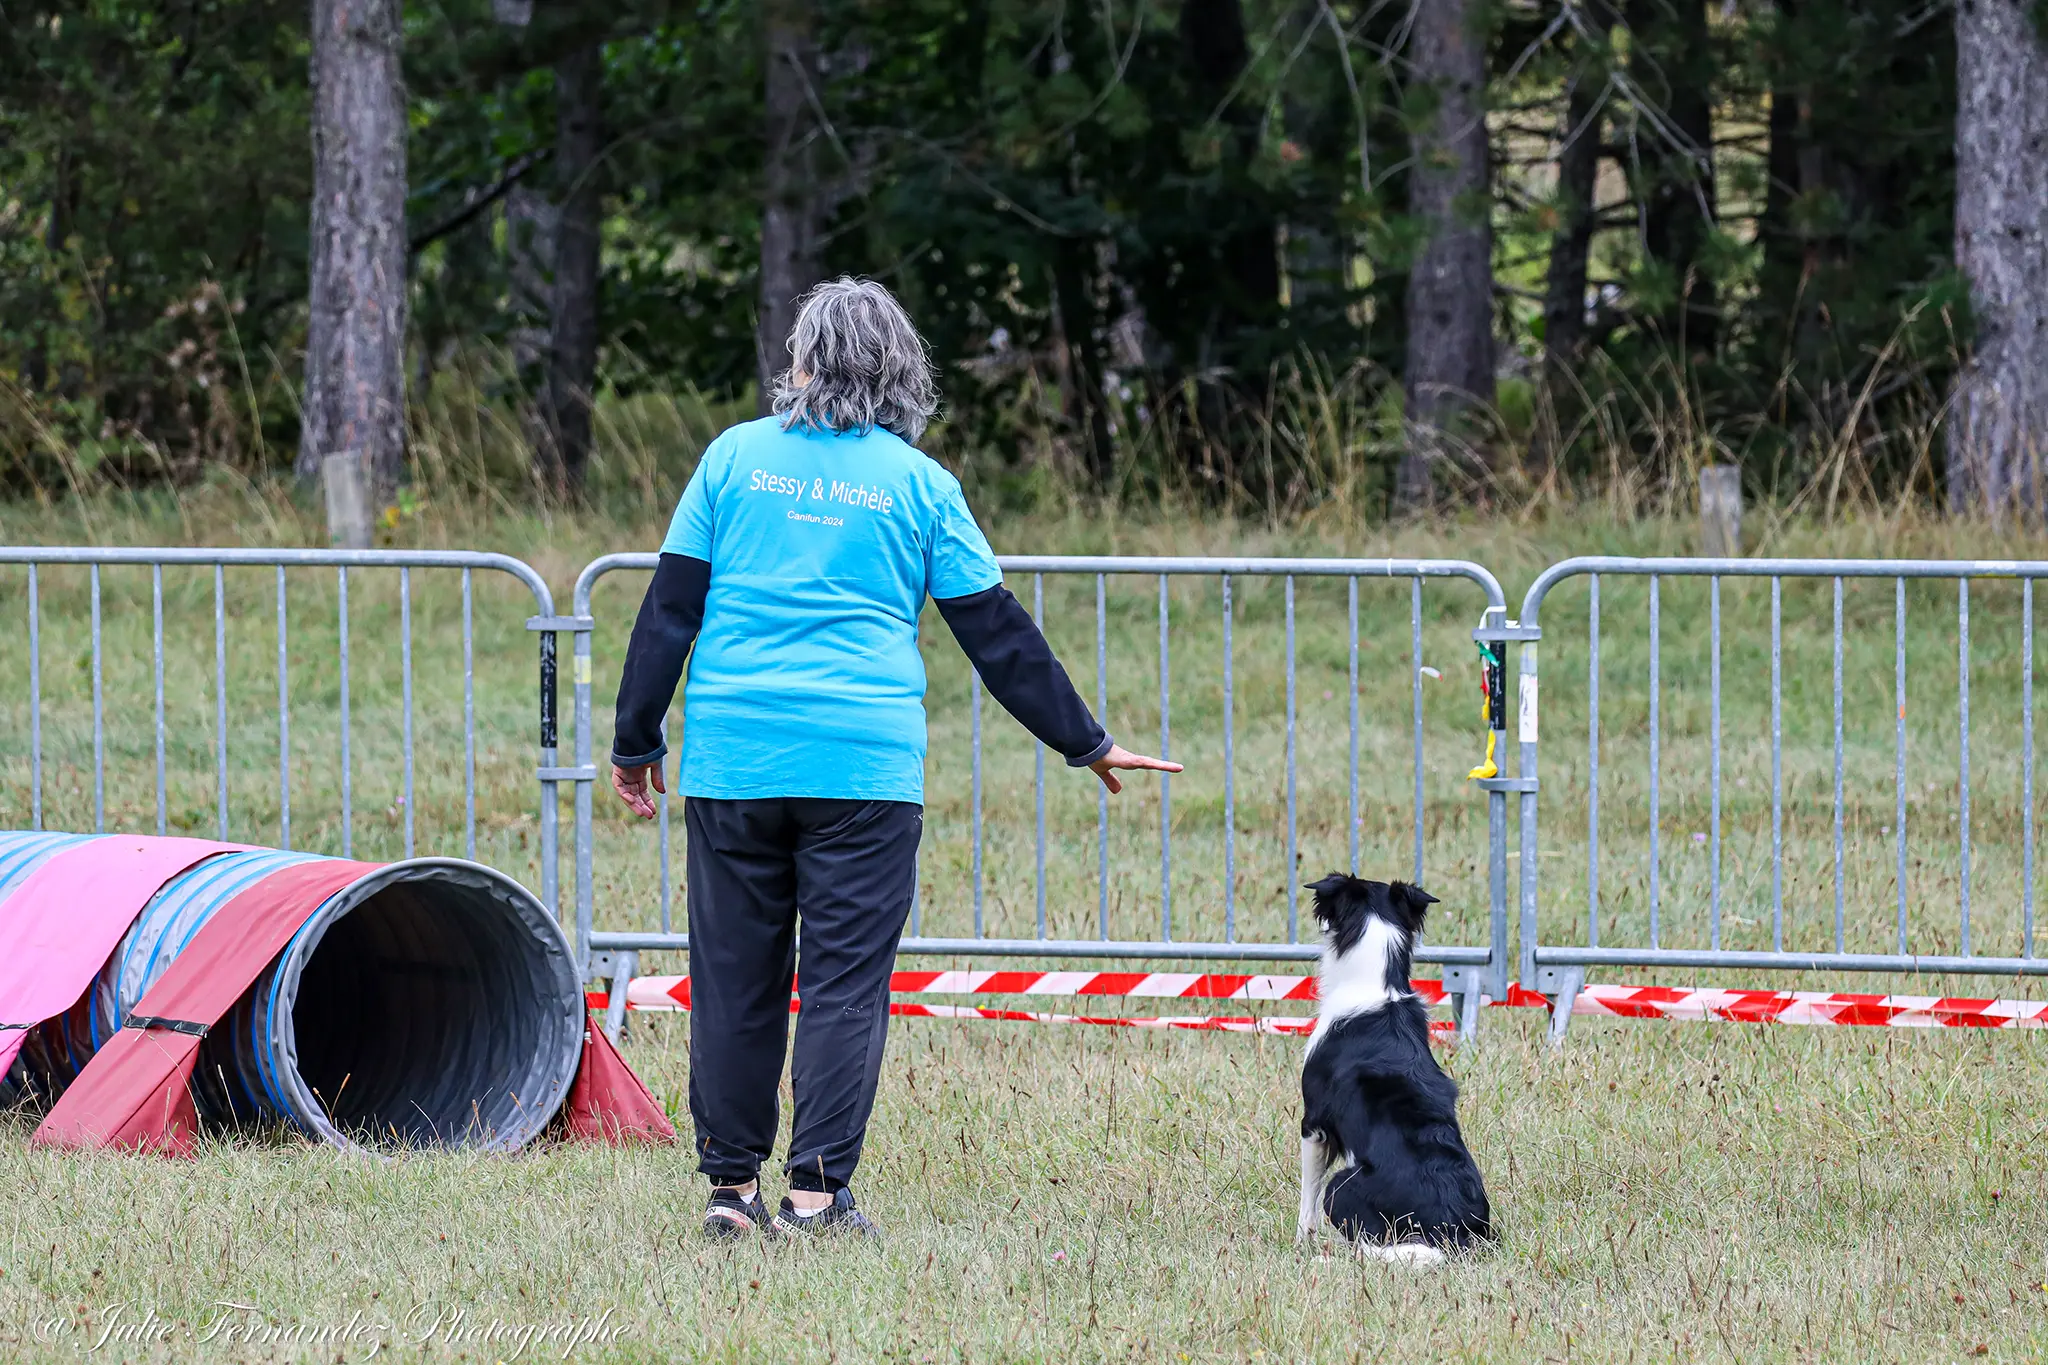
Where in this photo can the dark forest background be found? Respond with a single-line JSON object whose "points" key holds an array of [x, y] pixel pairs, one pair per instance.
{"points": [[1467, 249]]}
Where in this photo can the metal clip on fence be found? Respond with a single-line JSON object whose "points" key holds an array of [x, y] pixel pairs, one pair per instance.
{"points": [[1492, 637]]}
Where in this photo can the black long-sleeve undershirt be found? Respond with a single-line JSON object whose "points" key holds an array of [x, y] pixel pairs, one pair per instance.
{"points": [[995, 632], [1020, 671], [670, 616]]}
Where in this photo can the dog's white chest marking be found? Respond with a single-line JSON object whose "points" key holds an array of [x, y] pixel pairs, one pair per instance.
{"points": [[1356, 982]]}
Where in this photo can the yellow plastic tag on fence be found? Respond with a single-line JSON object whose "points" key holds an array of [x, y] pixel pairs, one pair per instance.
{"points": [[1488, 768]]}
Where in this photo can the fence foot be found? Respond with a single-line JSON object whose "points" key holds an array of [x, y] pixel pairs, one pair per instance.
{"points": [[1468, 1017], [1562, 985], [615, 1008], [617, 971], [1462, 984]]}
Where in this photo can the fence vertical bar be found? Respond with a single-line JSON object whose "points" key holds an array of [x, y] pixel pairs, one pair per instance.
{"points": [[1840, 923], [405, 686], [1714, 781], [974, 708], [99, 739], [1415, 690], [550, 793], [1229, 780], [581, 639], [1899, 746], [35, 703], [1102, 792], [1293, 849], [284, 721], [1353, 699], [220, 693], [1593, 764], [1777, 767], [347, 804], [661, 815], [1038, 767], [1656, 662], [2027, 767], [1165, 780], [1963, 742], [468, 722], [1526, 768], [156, 636]]}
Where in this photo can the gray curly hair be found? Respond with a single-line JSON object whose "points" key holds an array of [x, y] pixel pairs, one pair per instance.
{"points": [[856, 363]]}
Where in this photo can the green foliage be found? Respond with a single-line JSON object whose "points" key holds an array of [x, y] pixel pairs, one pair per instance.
{"points": [[149, 227], [1123, 227], [1856, 261]]}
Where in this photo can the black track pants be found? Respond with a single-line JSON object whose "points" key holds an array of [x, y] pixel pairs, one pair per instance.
{"points": [[847, 870]]}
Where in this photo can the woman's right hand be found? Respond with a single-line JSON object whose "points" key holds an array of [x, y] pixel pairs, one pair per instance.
{"points": [[1120, 759], [631, 784]]}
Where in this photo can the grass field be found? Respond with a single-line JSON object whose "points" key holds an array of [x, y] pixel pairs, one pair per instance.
{"points": [[1668, 1192], [1677, 1192]]}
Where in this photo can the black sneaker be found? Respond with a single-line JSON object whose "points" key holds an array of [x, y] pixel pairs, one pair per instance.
{"points": [[838, 1218], [728, 1217]]}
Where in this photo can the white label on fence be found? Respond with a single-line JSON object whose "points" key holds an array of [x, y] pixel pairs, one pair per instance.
{"points": [[583, 670], [1528, 700]]}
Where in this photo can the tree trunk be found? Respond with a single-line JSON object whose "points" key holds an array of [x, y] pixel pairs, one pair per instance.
{"points": [[1797, 167], [1571, 245], [790, 201], [2000, 430], [1079, 320], [1244, 291], [35, 366], [572, 349], [1671, 63], [355, 332], [1783, 180], [1450, 288]]}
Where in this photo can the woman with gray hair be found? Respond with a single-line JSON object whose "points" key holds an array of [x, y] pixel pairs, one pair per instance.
{"points": [[796, 566]]}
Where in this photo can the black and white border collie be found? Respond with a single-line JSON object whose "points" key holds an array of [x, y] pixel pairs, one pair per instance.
{"points": [[1376, 1107]]}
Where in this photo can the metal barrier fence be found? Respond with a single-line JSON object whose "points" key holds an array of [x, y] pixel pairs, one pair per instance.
{"points": [[1557, 948], [1659, 910], [94, 560], [1470, 969]]}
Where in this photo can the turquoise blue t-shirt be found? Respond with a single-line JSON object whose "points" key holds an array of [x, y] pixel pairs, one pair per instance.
{"points": [[806, 678]]}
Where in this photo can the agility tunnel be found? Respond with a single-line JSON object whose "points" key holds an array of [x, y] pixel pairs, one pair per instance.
{"points": [[156, 984]]}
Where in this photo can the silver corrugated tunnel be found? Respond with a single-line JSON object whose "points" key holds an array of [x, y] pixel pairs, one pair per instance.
{"points": [[432, 1002]]}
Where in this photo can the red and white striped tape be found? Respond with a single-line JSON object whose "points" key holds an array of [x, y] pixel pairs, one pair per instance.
{"points": [[1809, 1007], [1285, 1023], [673, 992], [1629, 1002]]}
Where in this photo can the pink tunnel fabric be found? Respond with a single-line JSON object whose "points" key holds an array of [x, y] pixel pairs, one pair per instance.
{"points": [[134, 1094], [65, 919]]}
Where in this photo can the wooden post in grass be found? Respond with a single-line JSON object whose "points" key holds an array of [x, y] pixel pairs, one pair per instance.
{"points": [[346, 477], [1720, 511]]}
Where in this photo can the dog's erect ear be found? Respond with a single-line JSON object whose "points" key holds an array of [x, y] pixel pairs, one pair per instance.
{"points": [[1332, 893], [1328, 886], [1414, 900]]}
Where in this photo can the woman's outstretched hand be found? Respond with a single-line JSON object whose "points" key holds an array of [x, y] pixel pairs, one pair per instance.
{"points": [[631, 785], [1117, 759]]}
